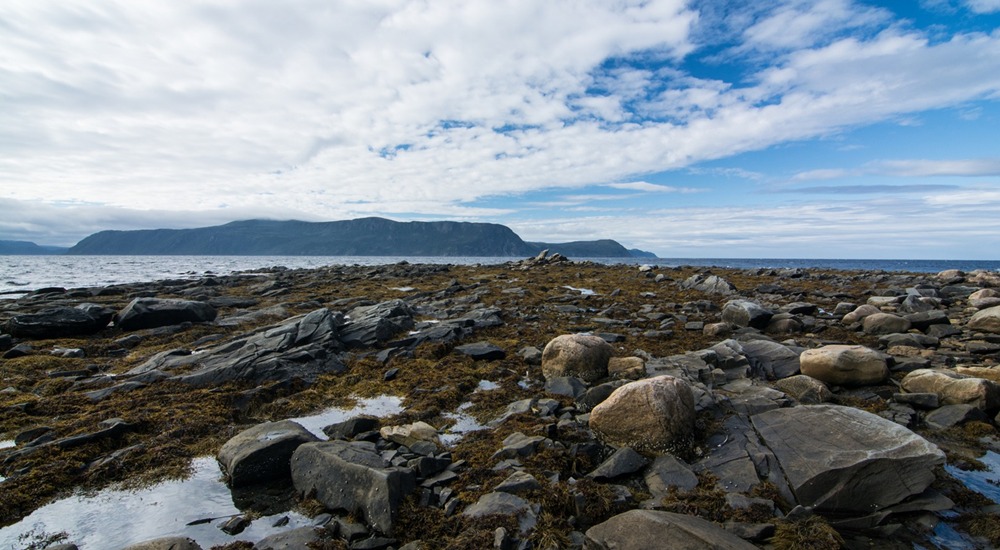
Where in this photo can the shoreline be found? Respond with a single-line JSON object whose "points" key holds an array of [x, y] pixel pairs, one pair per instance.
{"points": [[669, 320]]}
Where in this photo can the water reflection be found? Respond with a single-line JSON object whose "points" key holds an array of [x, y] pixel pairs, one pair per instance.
{"points": [[115, 518], [984, 482]]}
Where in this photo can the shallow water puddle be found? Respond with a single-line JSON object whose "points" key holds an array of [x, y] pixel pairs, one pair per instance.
{"points": [[582, 291], [464, 423], [114, 518], [985, 482]]}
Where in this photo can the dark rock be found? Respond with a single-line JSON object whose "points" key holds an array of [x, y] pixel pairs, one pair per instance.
{"points": [[6, 342], [920, 400], [942, 331], [60, 322], [518, 482], [666, 472], [144, 313], [350, 428], [924, 320], [373, 543], [566, 385], [20, 350], [262, 453], [644, 529], [370, 325], [885, 323], [235, 525], [858, 463], [301, 537], [623, 462], [482, 351], [772, 360], [352, 477]]}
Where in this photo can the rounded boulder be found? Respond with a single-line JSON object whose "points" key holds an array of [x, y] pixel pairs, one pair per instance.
{"points": [[649, 415], [581, 355], [844, 365], [986, 320]]}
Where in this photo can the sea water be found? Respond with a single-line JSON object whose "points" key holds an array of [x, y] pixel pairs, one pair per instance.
{"points": [[22, 274]]}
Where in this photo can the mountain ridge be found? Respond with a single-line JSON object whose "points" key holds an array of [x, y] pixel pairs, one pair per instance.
{"points": [[370, 236]]}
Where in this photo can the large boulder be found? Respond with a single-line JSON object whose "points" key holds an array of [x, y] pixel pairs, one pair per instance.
{"points": [[60, 322], [859, 313], [647, 415], [584, 356], [844, 460], [844, 365], [262, 453], [745, 313], [986, 320], [144, 313], [711, 284], [352, 477], [885, 323], [644, 529], [953, 388]]}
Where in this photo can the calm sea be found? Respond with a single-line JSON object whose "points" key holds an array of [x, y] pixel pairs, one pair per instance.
{"points": [[20, 274]]}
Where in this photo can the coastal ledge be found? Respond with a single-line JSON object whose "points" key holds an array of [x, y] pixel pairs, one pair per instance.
{"points": [[747, 362]]}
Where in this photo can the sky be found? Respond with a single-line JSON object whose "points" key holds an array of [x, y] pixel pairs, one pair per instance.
{"points": [[692, 129]]}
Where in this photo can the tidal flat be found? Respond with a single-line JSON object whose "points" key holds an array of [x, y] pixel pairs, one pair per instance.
{"points": [[888, 379]]}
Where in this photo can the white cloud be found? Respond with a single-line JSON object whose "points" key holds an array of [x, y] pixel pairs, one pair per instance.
{"points": [[983, 6], [647, 187], [909, 168]]}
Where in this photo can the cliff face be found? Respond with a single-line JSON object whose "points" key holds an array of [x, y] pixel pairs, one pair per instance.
{"points": [[361, 237]]}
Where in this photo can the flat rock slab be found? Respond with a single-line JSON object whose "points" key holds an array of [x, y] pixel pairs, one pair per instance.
{"points": [[845, 460], [352, 477], [645, 529], [263, 452], [144, 313], [60, 322]]}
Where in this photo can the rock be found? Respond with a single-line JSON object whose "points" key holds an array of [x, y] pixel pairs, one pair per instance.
{"points": [[504, 504], [566, 385], [370, 325], [711, 284], [631, 368], [60, 322], [859, 314], [20, 350], [144, 313], [622, 462], [885, 323], [518, 444], [953, 388], [985, 298], [580, 355], [950, 416], [844, 460], [844, 365], [518, 482], [772, 360], [745, 313], [352, 427], [645, 529], [166, 543], [482, 351], [262, 453], [668, 471], [300, 348], [293, 539], [805, 389], [924, 320], [649, 415], [985, 320], [352, 477], [6, 342], [410, 434]]}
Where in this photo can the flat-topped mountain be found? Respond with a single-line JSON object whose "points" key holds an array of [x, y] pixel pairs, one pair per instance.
{"points": [[360, 237]]}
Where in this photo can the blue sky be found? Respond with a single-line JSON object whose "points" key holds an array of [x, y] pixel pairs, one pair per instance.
{"points": [[812, 129]]}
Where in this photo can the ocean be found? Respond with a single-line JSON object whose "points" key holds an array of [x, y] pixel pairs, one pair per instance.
{"points": [[22, 274]]}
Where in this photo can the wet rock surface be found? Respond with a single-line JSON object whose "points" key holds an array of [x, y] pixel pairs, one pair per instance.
{"points": [[729, 409]]}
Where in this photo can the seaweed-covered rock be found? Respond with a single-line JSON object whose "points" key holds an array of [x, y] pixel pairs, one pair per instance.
{"points": [[581, 355], [845, 460], [263, 452], [648, 415]]}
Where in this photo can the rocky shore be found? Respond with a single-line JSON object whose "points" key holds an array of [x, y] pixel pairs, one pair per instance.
{"points": [[620, 406]]}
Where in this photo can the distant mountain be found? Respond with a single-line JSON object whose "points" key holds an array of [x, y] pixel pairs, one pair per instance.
{"points": [[28, 248], [361, 237], [636, 253]]}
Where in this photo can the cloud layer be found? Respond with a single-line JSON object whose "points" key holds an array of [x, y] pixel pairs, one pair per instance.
{"points": [[143, 112]]}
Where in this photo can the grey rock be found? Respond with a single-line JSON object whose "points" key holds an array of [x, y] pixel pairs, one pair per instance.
{"points": [[805, 389], [60, 322], [354, 478], [745, 313], [518, 482], [293, 539], [166, 543], [144, 313], [582, 355], [858, 462], [919, 400], [645, 529], [710, 284], [985, 320], [504, 504], [950, 416], [352, 427], [482, 351], [566, 385], [772, 360], [369, 325], [885, 323], [668, 471], [622, 462], [923, 321], [262, 453]]}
